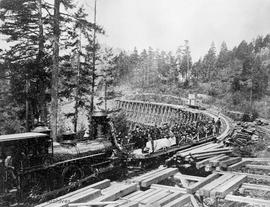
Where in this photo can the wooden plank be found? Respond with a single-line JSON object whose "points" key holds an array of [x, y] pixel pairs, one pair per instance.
{"points": [[179, 202], [133, 194], [194, 201], [255, 187], [118, 203], [122, 191], [262, 159], [196, 186], [252, 201], [169, 198], [170, 188], [202, 163], [147, 175], [230, 161], [212, 151], [160, 177], [99, 185], [130, 204], [258, 167], [188, 177], [199, 149], [146, 194], [215, 162], [195, 149], [192, 148], [237, 165], [85, 196], [154, 198], [81, 197], [229, 186], [205, 190], [183, 180], [136, 196], [91, 204], [250, 175]]}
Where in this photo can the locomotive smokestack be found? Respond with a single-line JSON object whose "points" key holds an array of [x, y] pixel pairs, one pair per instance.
{"points": [[100, 121]]}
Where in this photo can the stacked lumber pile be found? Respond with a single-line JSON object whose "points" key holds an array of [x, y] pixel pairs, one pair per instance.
{"points": [[223, 188], [96, 194], [149, 190], [196, 154], [244, 137]]}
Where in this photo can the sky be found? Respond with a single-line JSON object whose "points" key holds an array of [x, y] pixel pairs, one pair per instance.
{"points": [[165, 24]]}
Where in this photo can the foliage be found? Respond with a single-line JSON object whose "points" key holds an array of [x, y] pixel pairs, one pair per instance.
{"points": [[120, 123]]}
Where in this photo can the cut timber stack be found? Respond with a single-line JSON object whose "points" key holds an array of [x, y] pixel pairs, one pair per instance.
{"points": [[200, 155], [244, 138], [185, 190]]}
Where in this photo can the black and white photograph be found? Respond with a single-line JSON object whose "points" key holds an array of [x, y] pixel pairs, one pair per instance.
{"points": [[134, 103]]}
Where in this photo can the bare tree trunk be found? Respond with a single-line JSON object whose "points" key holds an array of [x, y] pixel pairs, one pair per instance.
{"points": [[76, 107], [27, 127], [94, 70], [42, 95], [54, 87]]}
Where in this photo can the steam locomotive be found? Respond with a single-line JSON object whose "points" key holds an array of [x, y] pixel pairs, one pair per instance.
{"points": [[31, 164]]}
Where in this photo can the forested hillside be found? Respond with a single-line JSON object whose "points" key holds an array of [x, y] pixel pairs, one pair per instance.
{"points": [[237, 78], [53, 59]]}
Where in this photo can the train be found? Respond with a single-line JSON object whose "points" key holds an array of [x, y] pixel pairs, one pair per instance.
{"points": [[33, 165]]}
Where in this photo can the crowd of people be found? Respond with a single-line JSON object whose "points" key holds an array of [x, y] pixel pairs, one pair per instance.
{"points": [[182, 132]]}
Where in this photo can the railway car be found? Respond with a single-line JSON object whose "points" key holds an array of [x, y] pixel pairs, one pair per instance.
{"points": [[32, 165]]}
